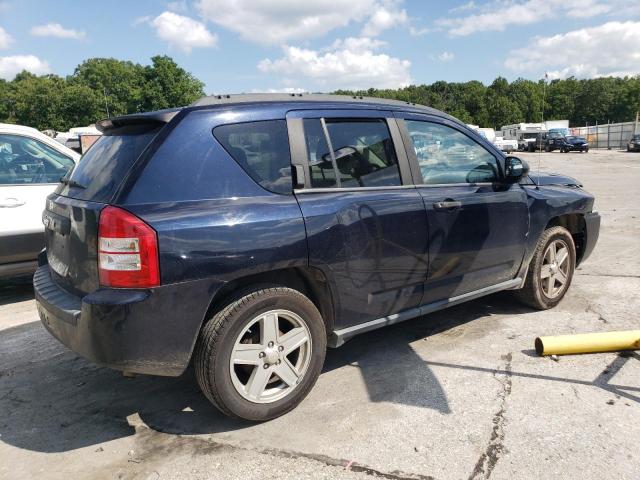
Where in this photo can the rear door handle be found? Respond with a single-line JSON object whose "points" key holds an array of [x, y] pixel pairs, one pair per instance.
{"points": [[11, 203], [447, 205]]}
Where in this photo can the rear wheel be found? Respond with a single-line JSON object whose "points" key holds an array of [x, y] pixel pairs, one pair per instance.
{"points": [[550, 271], [259, 357]]}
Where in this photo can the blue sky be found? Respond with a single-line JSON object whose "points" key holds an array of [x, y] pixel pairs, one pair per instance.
{"points": [[321, 45]]}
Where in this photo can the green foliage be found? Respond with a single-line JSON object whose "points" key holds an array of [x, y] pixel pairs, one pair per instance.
{"points": [[502, 103], [97, 85], [121, 87]]}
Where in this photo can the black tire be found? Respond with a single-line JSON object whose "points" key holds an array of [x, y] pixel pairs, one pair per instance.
{"points": [[532, 293], [217, 339]]}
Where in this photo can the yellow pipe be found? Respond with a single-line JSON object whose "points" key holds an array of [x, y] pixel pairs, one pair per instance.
{"points": [[588, 343]]}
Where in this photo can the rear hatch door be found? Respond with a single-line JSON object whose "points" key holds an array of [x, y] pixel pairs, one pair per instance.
{"points": [[72, 213]]}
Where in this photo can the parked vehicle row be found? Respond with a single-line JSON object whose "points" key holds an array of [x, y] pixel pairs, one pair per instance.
{"points": [[248, 233], [566, 144]]}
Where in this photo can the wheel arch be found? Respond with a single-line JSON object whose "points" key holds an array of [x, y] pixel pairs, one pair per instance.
{"points": [[307, 280], [575, 224]]}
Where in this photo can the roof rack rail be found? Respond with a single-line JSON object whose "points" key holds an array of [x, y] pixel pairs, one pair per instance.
{"points": [[293, 96]]}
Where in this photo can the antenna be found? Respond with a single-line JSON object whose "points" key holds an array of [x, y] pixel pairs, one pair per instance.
{"points": [[544, 88], [106, 102]]}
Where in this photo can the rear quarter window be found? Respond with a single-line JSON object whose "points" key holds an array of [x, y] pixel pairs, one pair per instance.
{"points": [[199, 162], [262, 150]]}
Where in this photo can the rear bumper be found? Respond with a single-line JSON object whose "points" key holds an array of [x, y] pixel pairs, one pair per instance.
{"points": [[592, 223], [149, 331]]}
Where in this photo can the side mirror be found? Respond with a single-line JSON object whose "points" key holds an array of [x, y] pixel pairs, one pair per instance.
{"points": [[515, 169]]}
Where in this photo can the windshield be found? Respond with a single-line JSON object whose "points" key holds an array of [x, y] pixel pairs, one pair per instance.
{"points": [[105, 164]]}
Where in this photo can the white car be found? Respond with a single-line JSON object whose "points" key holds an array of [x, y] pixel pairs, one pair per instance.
{"points": [[31, 165]]}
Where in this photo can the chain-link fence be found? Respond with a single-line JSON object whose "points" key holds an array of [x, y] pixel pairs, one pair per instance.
{"points": [[609, 135]]}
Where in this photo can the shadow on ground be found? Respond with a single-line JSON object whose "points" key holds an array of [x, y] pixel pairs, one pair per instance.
{"points": [[54, 401], [16, 290]]}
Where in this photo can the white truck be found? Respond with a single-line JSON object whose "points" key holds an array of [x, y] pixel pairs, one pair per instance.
{"points": [[523, 133]]}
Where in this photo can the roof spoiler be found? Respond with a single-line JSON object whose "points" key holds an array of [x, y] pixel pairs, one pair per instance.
{"points": [[158, 117]]}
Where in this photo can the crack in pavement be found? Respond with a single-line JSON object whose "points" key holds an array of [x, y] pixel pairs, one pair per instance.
{"points": [[593, 310], [494, 449], [158, 444], [606, 275]]}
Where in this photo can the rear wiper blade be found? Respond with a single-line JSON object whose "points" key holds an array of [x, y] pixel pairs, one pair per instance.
{"points": [[72, 183]]}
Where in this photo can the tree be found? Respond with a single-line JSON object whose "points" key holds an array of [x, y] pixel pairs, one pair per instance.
{"points": [[80, 105], [120, 84], [123, 87], [167, 85], [36, 101]]}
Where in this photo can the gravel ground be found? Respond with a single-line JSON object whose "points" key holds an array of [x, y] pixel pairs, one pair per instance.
{"points": [[456, 394]]}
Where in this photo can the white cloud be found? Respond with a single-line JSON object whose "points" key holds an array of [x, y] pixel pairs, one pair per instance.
{"points": [[443, 57], [182, 32], [56, 30], [471, 5], [497, 15], [384, 17], [356, 44], [12, 65], [609, 49], [418, 32], [352, 63], [5, 39], [277, 22]]}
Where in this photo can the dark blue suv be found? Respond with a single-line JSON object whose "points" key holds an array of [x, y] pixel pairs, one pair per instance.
{"points": [[248, 233]]}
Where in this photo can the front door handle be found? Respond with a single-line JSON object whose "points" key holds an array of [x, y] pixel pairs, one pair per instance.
{"points": [[11, 203], [447, 205]]}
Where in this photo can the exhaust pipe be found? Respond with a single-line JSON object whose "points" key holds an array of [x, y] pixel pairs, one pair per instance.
{"points": [[588, 343]]}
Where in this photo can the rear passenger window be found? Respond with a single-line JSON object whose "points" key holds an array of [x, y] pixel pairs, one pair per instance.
{"points": [[358, 153], [262, 150]]}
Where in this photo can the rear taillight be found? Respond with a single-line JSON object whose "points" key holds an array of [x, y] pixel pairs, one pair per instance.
{"points": [[127, 251]]}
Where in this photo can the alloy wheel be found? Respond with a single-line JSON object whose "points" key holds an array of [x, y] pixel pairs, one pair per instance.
{"points": [[554, 273], [270, 356]]}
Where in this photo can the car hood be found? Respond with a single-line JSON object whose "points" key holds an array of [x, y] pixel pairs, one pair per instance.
{"points": [[576, 141], [544, 178]]}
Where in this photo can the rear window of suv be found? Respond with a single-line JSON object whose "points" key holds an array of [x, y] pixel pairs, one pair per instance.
{"points": [[103, 167]]}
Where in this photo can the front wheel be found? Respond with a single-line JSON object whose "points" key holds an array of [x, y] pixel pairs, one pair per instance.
{"points": [[259, 357], [550, 271]]}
